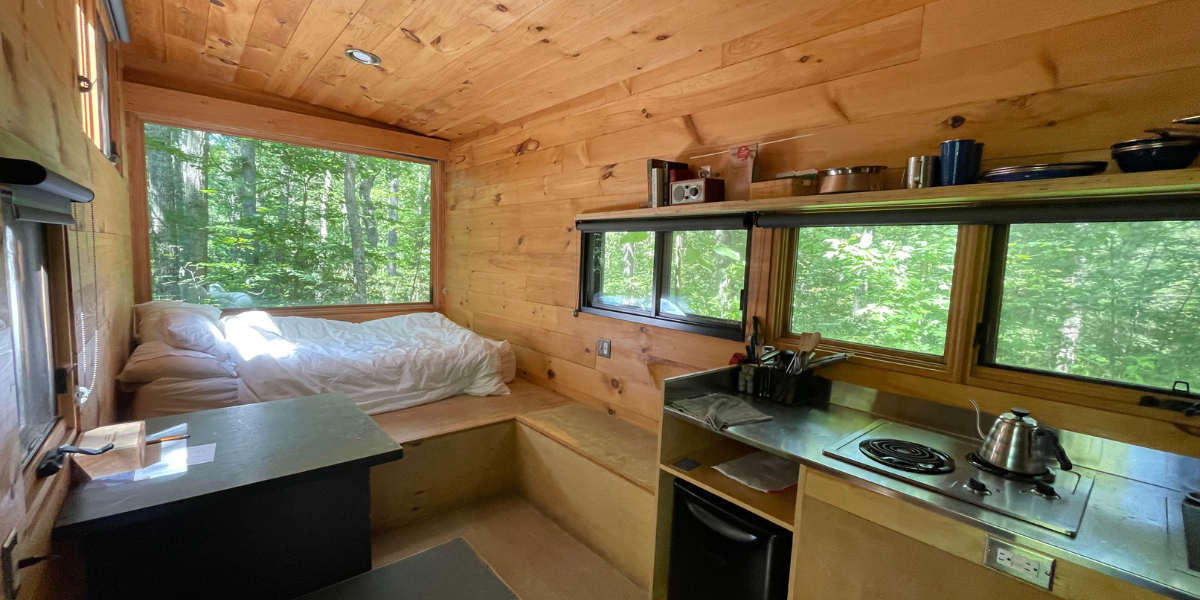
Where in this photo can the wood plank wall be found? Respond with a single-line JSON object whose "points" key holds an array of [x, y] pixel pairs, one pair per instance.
{"points": [[864, 81], [40, 119]]}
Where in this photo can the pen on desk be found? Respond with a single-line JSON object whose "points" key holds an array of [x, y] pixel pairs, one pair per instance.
{"points": [[168, 439]]}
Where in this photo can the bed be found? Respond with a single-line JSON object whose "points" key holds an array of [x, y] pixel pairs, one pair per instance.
{"points": [[191, 359]]}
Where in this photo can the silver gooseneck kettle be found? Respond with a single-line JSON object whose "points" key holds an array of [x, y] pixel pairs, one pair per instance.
{"points": [[1016, 444]]}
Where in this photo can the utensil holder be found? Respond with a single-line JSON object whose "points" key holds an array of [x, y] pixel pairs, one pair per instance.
{"points": [[792, 389]]}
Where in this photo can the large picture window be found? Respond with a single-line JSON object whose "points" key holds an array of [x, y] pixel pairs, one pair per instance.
{"points": [[1112, 301], [886, 285], [689, 275], [240, 222]]}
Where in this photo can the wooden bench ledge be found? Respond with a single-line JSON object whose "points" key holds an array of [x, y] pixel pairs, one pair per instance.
{"points": [[621, 447], [459, 413]]}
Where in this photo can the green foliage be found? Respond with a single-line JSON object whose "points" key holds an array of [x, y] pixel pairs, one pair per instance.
{"points": [[1114, 301], [707, 272], [278, 230], [884, 286], [704, 277], [628, 263]]}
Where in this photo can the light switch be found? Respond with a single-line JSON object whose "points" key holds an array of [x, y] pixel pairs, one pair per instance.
{"points": [[1022, 563], [603, 348]]}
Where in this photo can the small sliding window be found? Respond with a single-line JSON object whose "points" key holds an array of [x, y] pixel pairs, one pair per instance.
{"points": [[685, 274], [1109, 295], [878, 282]]}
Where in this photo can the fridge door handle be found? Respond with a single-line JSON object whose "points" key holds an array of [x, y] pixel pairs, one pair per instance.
{"points": [[721, 527]]}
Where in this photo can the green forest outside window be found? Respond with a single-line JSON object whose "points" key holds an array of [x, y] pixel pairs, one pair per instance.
{"points": [[1113, 301], [240, 222], [692, 280], [879, 285]]}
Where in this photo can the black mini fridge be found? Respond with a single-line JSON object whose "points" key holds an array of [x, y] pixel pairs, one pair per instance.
{"points": [[722, 552]]}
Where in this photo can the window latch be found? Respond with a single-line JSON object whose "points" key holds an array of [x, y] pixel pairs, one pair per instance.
{"points": [[1189, 408], [52, 462], [61, 380], [980, 334]]}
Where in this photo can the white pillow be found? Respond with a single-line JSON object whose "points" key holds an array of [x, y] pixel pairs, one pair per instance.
{"points": [[190, 331], [157, 360], [148, 317]]}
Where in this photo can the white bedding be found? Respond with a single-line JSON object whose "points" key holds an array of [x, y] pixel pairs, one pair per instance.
{"points": [[383, 365]]}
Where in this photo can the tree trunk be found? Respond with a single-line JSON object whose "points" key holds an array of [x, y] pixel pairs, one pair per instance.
{"points": [[393, 191], [194, 242], [365, 185], [325, 205], [286, 188], [356, 236], [248, 193]]}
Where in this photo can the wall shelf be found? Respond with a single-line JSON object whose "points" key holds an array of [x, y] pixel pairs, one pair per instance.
{"points": [[1166, 184], [779, 508]]}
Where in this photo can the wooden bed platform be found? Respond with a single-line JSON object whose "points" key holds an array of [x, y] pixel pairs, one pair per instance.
{"points": [[591, 473], [459, 413]]}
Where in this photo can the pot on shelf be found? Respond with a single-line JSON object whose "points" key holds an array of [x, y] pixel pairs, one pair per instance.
{"points": [[1170, 150], [852, 179]]}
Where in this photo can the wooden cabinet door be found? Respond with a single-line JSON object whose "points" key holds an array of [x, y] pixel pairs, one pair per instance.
{"points": [[845, 557]]}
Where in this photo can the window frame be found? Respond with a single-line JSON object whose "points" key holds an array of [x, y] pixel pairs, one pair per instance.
{"points": [[987, 337], [93, 52], [179, 109], [700, 325], [945, 366]]}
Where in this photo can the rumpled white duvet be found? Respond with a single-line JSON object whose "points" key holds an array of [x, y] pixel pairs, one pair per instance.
{"points": [[383, 365]]}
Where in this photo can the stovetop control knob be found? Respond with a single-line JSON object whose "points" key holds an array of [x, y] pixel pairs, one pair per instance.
{"points": [[1045, 490], [977, 486]]}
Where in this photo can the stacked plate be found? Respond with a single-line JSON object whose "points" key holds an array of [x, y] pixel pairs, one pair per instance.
{"points": [[1047, 171]]}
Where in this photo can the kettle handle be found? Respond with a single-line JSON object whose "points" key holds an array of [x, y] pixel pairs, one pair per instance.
{"points": [[1059, 453]]}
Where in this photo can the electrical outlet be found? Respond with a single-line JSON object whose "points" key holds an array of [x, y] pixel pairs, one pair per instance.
{"points": [[1022, 563], [8, 563], [603, 348]]}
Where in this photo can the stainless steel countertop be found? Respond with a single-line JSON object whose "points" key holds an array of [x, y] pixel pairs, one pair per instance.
{"points": [[1132, 528]]}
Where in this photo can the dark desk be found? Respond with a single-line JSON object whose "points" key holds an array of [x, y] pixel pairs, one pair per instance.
{"points": [[452, 571], [283, 509]]}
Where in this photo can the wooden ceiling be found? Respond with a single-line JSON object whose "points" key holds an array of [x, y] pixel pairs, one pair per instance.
{"points": [[450, 68]]}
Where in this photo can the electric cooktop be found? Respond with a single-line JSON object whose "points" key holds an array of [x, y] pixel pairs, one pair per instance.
{"points": [[946, 465]]}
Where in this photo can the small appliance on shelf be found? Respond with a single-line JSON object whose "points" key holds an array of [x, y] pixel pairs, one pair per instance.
{"points": [[696, 191]]}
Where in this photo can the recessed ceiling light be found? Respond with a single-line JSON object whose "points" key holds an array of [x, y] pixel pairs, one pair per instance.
{"points": [[362, 56]]}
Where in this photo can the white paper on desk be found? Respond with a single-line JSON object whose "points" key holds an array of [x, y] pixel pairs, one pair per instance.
{"points": [[762, 471], [198, 455]]}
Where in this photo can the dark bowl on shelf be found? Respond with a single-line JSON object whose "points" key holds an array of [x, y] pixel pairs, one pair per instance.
{"points": [[1163, 153]]}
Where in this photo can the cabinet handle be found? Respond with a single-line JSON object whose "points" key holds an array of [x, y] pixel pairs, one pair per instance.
{"points": [[721, 527]]}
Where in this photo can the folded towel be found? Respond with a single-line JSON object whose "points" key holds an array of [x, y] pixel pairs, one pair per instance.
{"points": [[720, 411]]}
